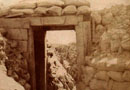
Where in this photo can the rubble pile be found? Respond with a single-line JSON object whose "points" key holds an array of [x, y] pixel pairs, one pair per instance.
{"points": [[58, 78], [6, 83], [17, 64], [67, 55]]}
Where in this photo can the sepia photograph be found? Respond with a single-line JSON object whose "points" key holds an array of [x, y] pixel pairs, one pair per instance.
{"points": [[64, 44]]}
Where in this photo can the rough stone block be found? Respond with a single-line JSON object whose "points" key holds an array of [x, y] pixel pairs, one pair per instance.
{"points": [[121, 86], [117, 76], [102, 75], [71, 20], [14, 23], [17, 34], [98, 85], [88, 74], [126, 76], [23, 46]]}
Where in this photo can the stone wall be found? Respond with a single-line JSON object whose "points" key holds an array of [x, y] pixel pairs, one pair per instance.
{"points": [[108, 67], [16, 51]]}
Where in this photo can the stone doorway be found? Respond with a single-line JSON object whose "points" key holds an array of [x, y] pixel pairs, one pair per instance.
{"points": [[39, 35]]}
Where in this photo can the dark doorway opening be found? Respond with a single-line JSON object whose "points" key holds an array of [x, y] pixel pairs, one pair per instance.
{"points": [[39, 36], [39, 51]]}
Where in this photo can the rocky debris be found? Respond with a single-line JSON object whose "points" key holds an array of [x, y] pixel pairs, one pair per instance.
{"points": [[16, 64], [58, 77], [6, 83]]}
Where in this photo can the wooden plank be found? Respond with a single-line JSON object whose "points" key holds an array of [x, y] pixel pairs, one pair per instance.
{"points": [[80, 43], [14, 23], [87, 37], [31, 60]]}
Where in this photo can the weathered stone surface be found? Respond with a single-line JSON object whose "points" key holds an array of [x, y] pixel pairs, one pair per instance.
{"points": [[102, 75], [117, 76], [98, 84], [83, 10], [80, 43], [25, 11], [24, 6], [97, 17], [126, 76], [113, 64], [105, 42], [77, 2], [23, 46], [110, 84], [87, 88], [68, 10], [107, 19], [17, 34], [41, 10], [54, 10], [4, 11], [71, 20], [81, 85], [98, 32], [88, 74], [3, 31], [48, 3], [14, 23], [121, 86], [125, 43]]}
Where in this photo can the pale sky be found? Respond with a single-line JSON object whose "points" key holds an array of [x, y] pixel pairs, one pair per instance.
{"points": [[61, 37]]}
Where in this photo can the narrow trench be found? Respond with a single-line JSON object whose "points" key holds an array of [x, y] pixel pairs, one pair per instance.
{"points": [[56, 39]]}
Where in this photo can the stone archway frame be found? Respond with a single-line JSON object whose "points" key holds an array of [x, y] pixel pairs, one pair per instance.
{"points": [[80, 22]]}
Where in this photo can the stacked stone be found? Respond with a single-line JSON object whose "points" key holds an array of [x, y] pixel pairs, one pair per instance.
{"points": [[16, 63], [112, 29], [108, 68], [106, 73], [49, 8]]}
